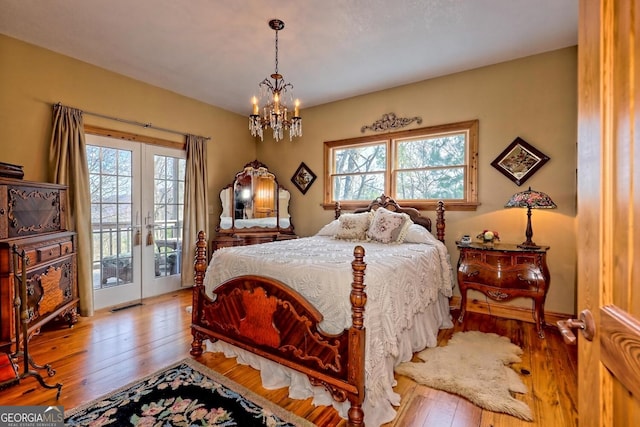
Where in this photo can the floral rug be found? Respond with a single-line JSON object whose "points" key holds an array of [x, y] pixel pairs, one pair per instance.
{"points": [[184, 394]]}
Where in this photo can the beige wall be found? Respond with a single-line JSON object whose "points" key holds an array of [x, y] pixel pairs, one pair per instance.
{"points": [[32, 79], [534, 98]]}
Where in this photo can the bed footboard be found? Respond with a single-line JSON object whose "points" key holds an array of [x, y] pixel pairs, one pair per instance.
{"points": [[270, 319]]}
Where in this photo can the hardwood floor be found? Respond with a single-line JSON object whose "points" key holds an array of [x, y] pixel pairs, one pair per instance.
{"points": [[110, 350]]}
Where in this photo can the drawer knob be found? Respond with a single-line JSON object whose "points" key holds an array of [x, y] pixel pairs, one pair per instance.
{"points": [[1, 211]]}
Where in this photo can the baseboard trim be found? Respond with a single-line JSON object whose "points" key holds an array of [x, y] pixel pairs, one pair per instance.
{"points": [[507, 311]]}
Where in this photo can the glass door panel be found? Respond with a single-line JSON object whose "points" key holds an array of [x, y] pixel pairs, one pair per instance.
{"points": [[112, 171], [164, 206]]}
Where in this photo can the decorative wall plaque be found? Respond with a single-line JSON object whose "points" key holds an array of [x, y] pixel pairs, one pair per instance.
{"points": [[303, 178], [390, 121], [519, 161]]}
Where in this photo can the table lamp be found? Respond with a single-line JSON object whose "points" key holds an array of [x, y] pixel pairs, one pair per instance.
{"points": [[530, 199]]}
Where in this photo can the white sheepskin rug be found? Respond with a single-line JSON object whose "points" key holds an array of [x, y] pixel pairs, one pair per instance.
{"points": [[474, 365]]}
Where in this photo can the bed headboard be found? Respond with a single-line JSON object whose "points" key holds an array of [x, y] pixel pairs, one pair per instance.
{"points": [[390, 204]]}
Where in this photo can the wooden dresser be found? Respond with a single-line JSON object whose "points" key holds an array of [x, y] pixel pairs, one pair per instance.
{"points": [[255, 209], [502, 272], [33, 217]]}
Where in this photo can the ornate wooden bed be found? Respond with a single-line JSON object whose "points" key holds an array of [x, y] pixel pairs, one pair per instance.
{"points": [[268, 318]]}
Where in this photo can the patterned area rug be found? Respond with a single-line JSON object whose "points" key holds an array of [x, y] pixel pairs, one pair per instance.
{"points": [[184, 394], [474, 365]]}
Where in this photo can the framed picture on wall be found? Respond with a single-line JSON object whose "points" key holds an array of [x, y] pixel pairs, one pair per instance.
{"points": [[519, 161], [303, 178]]}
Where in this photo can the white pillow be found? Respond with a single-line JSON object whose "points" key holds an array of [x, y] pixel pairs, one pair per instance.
{"points": [[329, 229], [419, 234], [389, 227], [354, 226]]}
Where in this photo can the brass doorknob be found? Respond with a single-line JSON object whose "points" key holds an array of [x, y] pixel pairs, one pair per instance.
{"points": [[585, 323]]}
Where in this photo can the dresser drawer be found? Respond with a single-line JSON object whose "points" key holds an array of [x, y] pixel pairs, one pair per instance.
{"points": [[48, 252], [224, 242], [41, 250], [66, 248], [31, 258]]}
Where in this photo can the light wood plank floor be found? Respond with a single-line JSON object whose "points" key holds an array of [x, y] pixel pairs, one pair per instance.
{"points": [[109, 350]]}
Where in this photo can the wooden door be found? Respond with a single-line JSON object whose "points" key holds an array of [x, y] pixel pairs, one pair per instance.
{"points": [[609, 211]]}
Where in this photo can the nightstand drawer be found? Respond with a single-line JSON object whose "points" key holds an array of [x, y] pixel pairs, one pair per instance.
{"points": [[520, 277], [498, 259]]}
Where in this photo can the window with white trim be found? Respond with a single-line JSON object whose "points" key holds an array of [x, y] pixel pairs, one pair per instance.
{"points": [[416, 167]]}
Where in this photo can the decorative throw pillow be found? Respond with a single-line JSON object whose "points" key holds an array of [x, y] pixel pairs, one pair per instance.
{"points": [[389, 227], [354, 226]]}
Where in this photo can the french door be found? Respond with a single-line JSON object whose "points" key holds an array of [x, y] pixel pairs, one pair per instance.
{"points": [[137, 199]]}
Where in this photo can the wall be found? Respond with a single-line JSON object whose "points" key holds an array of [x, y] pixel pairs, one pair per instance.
{"points": [[32, 79], [534, 98]]}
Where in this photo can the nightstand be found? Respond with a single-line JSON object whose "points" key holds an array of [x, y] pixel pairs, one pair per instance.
{"points": [[504, 271]]}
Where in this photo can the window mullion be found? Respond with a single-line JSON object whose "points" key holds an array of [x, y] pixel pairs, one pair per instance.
{"points": [[389, 174]]}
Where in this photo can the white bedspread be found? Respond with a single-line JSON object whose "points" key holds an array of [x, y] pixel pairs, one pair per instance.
{"points": [[403, 282]]}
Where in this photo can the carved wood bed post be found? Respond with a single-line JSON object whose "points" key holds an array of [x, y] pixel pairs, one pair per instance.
{"points": [[337, 210], [440, 221], [200, 268], [357, 338]]}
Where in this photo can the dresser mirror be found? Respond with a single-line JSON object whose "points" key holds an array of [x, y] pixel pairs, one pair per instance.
{"points": [[255, 202]]}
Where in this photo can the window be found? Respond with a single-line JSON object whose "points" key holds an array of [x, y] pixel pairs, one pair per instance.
{"points": [[417, 168]]}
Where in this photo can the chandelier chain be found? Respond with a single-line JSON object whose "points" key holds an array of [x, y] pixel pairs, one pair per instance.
{"points": [[276, 51]]}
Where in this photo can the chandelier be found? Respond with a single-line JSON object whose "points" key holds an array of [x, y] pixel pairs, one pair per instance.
{"points": [[275, 95]]}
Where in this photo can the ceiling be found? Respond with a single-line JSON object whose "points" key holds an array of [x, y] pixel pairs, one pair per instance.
{"points": [[217, 51]]}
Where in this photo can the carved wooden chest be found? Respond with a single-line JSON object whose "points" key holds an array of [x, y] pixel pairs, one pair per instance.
{"points": [[33, 219]]}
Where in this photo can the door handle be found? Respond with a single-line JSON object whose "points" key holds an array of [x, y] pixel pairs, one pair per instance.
{"points": [[585, 324]]}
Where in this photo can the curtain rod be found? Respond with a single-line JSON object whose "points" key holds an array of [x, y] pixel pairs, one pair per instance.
{"points": [[133, 122]]}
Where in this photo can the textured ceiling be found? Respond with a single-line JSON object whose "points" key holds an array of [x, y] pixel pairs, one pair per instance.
{"points": [[217, 51]]}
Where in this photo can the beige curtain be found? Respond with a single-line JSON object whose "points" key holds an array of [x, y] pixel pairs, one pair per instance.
{"points": [[196, 217], [68, 166]]}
